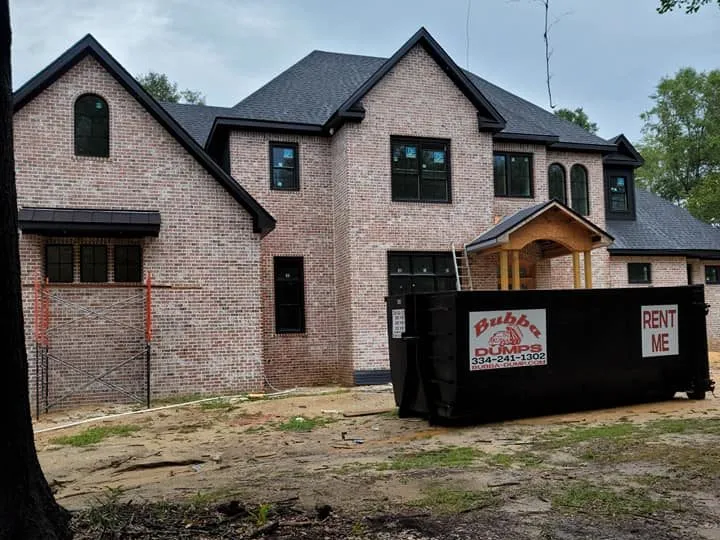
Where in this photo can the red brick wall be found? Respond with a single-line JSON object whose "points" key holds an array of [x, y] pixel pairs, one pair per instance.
{"points": [[304, 229], [205, 262]]}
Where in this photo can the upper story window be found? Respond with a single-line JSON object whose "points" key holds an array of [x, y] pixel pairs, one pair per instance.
{"points": [[513, 174], [579, 190], [712, 275], [556, 183], [420, 170], [92, 132], [284, 174], [59, 263], [420, 272], [639, 273], [618, 194]]}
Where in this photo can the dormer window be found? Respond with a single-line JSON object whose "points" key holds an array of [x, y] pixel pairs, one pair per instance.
{"points": [[618, 195], [92, 132]]}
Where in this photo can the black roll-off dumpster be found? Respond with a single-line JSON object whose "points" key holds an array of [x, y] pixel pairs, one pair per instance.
{"points": [[486, 355]]}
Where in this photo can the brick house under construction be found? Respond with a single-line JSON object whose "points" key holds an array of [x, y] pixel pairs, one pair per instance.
{"points": [[274, 229]]}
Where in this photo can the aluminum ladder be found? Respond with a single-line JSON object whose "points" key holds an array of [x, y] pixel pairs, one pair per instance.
{"points": [[463, 277]]}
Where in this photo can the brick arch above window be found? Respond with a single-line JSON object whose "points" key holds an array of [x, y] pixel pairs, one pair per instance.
{"points": [[91, 116]]}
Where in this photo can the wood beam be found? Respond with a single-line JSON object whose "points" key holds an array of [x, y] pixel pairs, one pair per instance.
{"points": [[587, 259], [516, 270], [504, 285], [576, 269]]}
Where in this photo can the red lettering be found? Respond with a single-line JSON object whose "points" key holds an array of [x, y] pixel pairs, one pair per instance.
{"points": [[509, 319], [523, 322], [655, 319], [672, 312], [534, 331], [646, 319], [660, 343], [662, 316], [480, 327]]}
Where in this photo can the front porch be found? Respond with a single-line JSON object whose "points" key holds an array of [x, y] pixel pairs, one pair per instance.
{"points": [[521, 247]]}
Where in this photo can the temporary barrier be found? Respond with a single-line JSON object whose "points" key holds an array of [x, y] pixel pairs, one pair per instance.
{"points": [[486, 355]]}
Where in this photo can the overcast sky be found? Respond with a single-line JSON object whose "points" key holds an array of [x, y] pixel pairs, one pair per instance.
{"points": [[608, 54]]}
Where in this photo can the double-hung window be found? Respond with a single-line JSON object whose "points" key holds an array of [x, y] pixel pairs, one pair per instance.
{"points": [[284, 174], [93, 264], [128, 264], [639, 273], [420, 272], [513, 174], [420, 170], [59, 263]]}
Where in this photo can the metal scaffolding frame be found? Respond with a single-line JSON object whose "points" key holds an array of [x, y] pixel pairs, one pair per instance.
{"points": [[44, 298]]}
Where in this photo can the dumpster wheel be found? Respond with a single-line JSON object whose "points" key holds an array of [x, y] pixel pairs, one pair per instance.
{"points": [[696, 394]]}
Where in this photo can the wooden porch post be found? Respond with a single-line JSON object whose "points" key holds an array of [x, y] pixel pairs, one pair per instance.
{"points": [[504, 285], [516, 270], [576, 269], [587, 259]]}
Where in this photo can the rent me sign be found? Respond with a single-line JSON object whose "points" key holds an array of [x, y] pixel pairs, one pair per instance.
{"points": [[659, 330]]}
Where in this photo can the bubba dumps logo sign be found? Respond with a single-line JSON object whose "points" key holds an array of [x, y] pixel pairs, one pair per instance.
{"points": [[508, 338]]}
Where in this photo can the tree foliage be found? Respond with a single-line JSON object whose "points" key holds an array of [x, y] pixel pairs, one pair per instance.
{"points": [[163, 89], [681, 141], [690, 6], [579, 117]]}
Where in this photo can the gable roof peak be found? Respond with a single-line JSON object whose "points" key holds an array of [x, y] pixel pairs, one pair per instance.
{"points": [[262, 220]]}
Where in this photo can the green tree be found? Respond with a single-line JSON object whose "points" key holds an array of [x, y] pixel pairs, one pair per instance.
{"points": [[690, 6], [681, 141], [579, 117], [161, 88]]}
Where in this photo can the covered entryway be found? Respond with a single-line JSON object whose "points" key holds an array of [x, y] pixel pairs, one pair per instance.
{"points": [[521, 241]]}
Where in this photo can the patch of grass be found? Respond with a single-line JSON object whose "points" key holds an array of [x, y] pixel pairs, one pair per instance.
{"points": [[262, 514], [301, 424], [174, 400], [94, 435], [710, 426], [454, 501], [593, 499], [518, 459], [579, 434], [451, 457]]}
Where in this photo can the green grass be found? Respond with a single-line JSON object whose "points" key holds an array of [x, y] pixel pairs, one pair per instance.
{"points": [[451, 457], [593, 499], [454, 501], [576, 435], [216, 405], [95, 434], [301, 424]]}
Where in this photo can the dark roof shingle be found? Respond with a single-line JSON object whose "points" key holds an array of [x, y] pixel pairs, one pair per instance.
{"points": [[662, 226]]}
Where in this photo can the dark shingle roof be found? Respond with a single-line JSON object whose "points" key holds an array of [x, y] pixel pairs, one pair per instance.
{"points": [[92, 222], [662, 226], [197, 120], [310, 92]]}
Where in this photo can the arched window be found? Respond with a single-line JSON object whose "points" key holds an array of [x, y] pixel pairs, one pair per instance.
{"points": [[92, 133], [579, 190], [556, 183]]}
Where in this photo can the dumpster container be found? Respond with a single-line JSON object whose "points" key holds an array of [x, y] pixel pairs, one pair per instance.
{"points": [[489, 355]]}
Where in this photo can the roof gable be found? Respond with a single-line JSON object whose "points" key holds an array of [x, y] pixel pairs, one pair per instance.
{"points": [[489, 119], [626, 153], [262, 220]]}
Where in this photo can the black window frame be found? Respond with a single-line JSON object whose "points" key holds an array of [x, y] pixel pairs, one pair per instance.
{"points": [[578, 166], [53, 277], [409, 274], [508, 177], [299, 263], [84, 145], [564, 182], [97, 272], [610, 194], [296, 169], [122, 272], [713, 268], [639, 265], [422, 144]]}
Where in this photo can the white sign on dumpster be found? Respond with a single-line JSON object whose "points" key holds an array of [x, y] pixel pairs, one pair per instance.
{"points": [[398, 323], [659, 330]]}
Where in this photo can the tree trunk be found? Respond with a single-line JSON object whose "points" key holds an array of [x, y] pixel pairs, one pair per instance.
{"points": [[27, 507]]}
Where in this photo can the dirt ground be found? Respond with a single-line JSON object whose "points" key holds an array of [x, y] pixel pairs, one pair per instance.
{"points": [[646, 471]]}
